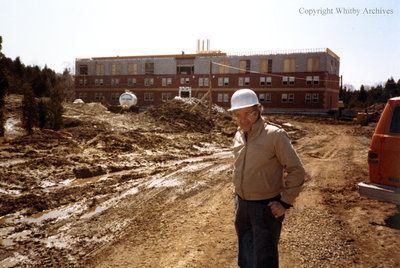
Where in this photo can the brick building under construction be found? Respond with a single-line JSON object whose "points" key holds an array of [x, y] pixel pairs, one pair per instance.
{"points": [[297, 80]]}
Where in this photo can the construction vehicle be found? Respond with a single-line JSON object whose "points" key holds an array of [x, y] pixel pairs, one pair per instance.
{"points": [[371, 114], [384, 157]]}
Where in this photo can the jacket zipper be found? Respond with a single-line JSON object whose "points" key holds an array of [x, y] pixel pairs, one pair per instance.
{"points": [[244, 163]]}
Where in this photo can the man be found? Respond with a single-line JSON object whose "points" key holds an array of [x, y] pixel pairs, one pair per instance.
{"points": [[268, 176]]}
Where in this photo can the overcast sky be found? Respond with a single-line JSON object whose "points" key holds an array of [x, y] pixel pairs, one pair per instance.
{"points": [[364, 34]]}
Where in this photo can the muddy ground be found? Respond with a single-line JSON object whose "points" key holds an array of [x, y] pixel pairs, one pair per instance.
{"points": [[154, 190]]}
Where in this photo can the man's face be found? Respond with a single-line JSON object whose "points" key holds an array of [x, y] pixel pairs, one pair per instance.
{"points": [[246, 117]]}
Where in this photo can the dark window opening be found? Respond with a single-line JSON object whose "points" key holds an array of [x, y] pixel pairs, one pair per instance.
{"points": [[395, 123], [83, 69], [149, 68]]}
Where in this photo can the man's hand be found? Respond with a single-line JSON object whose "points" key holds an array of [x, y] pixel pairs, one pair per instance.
{"points": [[277, 208]]}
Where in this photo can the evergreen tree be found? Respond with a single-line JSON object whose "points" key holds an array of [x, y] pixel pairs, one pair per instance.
{"points": [[362, 95], [67, 84], [390, 89], [29, 110], [3, 90], [43, 113], [56, 109]]}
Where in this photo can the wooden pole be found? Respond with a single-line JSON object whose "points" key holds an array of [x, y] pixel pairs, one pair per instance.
{"points": [[210, 91]]}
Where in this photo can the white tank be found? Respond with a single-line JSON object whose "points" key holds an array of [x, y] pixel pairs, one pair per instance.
{"points": [[127, 100]]}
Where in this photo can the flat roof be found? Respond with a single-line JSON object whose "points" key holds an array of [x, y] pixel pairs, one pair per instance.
{"points": [[219, 53]]}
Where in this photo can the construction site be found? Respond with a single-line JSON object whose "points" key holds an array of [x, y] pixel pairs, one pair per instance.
{"points": [[154, 189]]}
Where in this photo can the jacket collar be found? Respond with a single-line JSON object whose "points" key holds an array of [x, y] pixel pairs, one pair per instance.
{"points": [[256, 129]]}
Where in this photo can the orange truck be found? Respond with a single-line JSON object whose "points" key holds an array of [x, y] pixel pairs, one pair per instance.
{"points": [[384, 157]]}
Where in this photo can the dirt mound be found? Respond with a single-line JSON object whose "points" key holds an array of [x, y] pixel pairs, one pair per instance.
{"points": [[191, 115]]}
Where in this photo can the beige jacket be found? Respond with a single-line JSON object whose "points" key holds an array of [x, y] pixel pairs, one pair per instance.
{"points": [[260, 163]]}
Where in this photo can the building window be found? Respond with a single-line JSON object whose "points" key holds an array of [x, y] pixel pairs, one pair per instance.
{"points": [[291, 97], [83, 96], [115, 68], [247, 81], [148, 82], [313, 64], [201, 82], [148, 96], [315, 97], [98, 97], [182, 80], [149, 68], [284, 97], [223, 81], [285, 80], [96, 82], [262, 97], [224, 67], [114, 82], [240, 82], [288, 80], [226, 97], [269, 65], [223, 97], [83, 69], [226, 81], [132, 68], [187, 80], [185, 66], [166, 81], [269, 81], [165, 96], [310, 80], [262, 81], [115, 96], [267, 97], [308, 97], [316, 80], [289, 65], [99, 69], [244, 66], [266, 66]]}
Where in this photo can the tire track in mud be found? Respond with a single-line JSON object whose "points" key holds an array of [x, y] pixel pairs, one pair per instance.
{"points": [[188, 209]]}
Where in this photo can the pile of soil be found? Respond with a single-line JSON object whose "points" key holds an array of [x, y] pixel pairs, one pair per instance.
{"points": [[193, 116]]}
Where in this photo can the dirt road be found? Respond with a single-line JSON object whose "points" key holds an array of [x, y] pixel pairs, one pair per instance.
{"points": [[154, 190]]}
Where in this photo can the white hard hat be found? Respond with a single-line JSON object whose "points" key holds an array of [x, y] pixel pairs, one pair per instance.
{"points": [[243, 98]]}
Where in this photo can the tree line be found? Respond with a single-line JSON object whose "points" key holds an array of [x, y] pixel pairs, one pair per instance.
{"points": [[367, 96], [43, 91]]}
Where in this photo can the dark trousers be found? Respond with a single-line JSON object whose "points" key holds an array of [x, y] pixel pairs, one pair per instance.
{"points": [[258, 233]]}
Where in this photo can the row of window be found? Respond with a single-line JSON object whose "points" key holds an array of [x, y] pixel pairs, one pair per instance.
{"points": [[222, 97], [186, 66], [266, 97], [203, 82]]}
